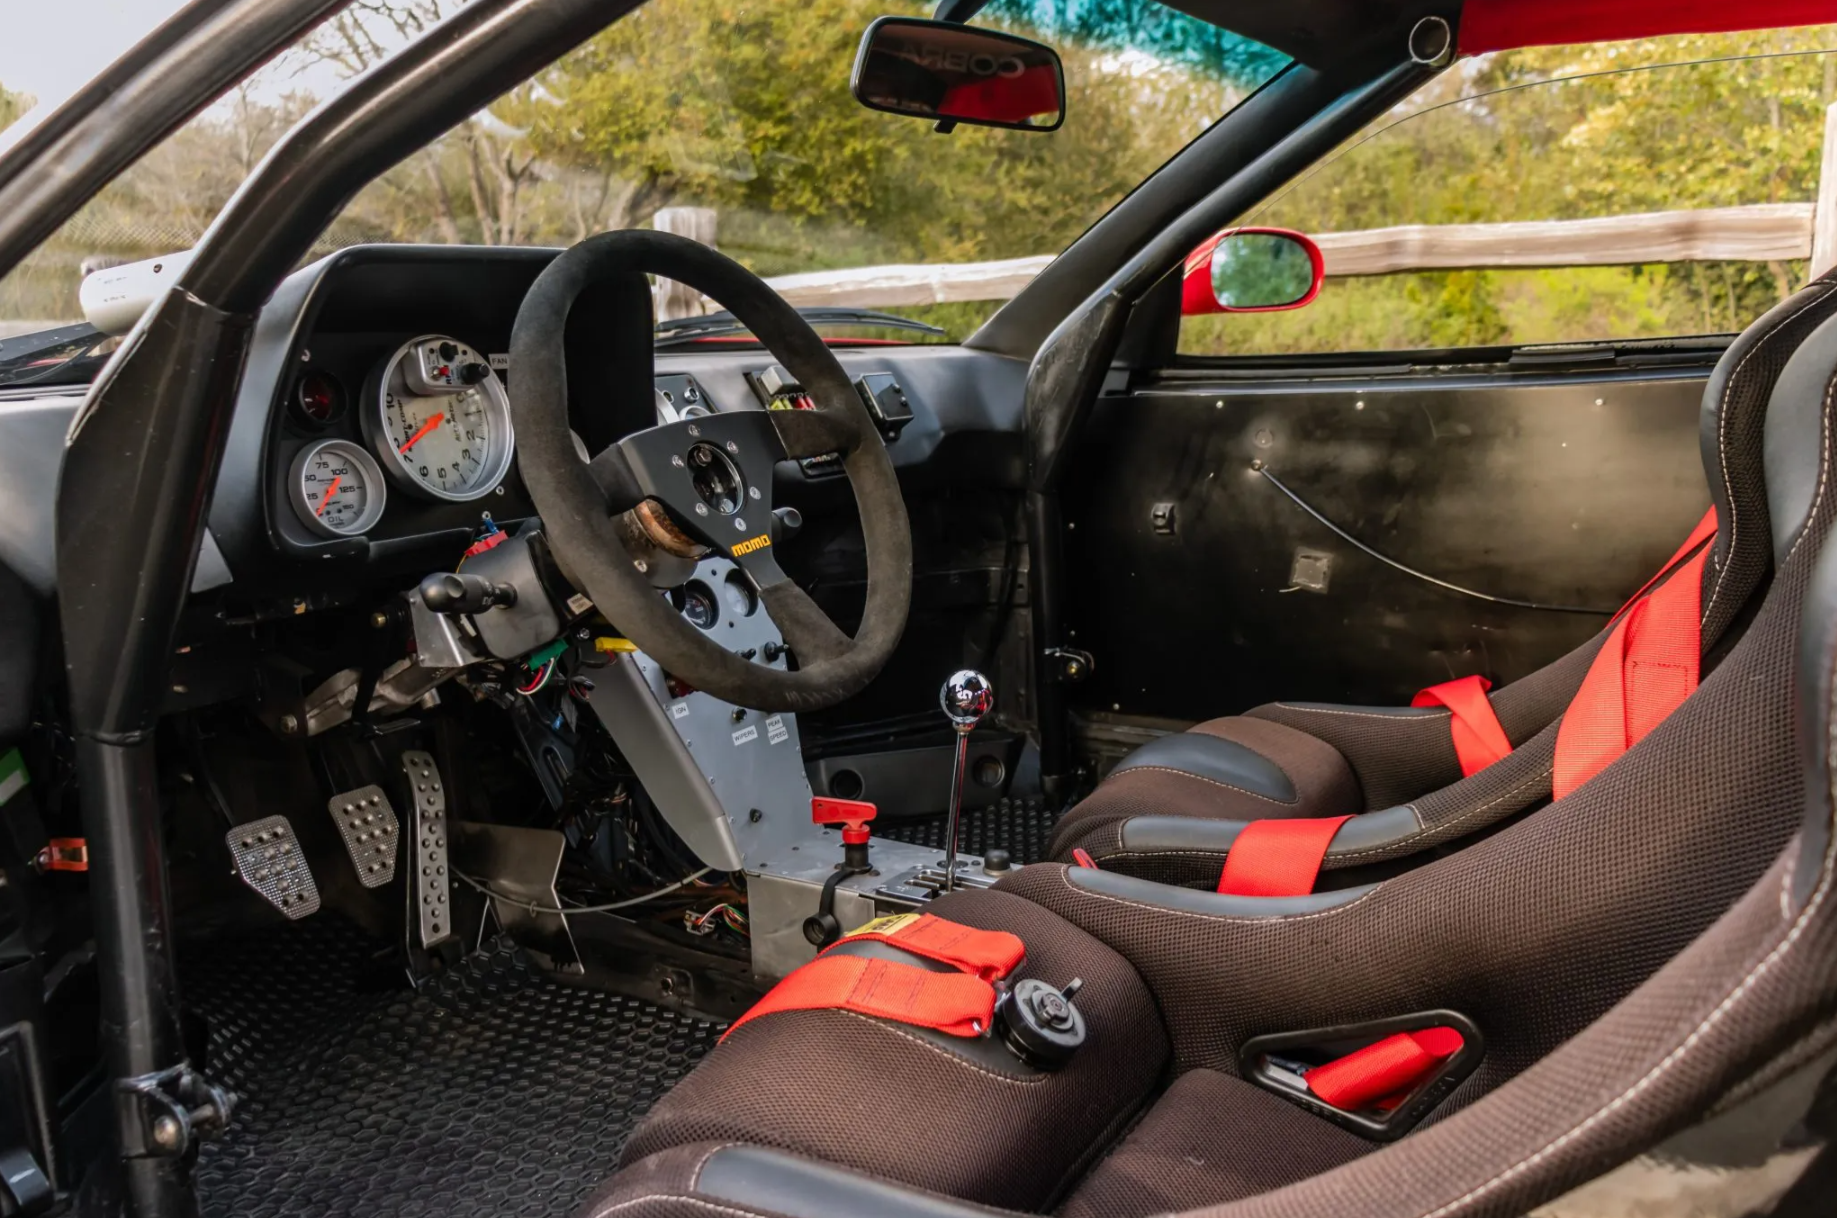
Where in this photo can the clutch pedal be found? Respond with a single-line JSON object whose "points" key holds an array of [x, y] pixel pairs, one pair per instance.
{"points": [[269, 860], [429, 882], [369, 828]]}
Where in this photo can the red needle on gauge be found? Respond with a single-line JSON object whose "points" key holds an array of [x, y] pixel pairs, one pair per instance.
{"points": [[326, 498], [424, 429]]}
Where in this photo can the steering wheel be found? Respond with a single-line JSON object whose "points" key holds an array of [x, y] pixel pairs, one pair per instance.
{"points": [[712, 478]]}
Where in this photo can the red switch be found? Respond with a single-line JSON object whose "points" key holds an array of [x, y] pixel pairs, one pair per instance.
{"points": [[853, 815]]}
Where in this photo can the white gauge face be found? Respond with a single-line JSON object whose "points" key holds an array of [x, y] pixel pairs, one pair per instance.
{"points": [[336, 489], [441, 421]]}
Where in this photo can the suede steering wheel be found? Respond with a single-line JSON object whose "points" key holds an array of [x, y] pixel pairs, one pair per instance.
{"points": [[713, 477]]}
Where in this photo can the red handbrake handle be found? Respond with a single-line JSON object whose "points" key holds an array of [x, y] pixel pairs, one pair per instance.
{"points": [[852, 814]]}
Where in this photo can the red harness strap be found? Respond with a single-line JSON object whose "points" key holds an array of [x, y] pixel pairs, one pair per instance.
{"points": [[960, 1004], [1478, 739], [1648, 665], [1706, 529], [1385, 1070], [989, 954], [1278, 858]]}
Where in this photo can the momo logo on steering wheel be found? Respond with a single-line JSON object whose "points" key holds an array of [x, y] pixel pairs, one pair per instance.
{"points": [[750, 544]]}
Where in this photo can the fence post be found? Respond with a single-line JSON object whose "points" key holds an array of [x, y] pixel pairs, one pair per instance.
{"points": [[673, 299], [1824, 212]]}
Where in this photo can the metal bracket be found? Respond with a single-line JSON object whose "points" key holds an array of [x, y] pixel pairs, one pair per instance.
{"points": [[1070, 664], [164, 1115]]}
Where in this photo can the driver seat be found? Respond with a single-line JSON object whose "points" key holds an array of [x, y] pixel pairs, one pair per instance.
{"points": [[1173, 809], [1624, 958]]}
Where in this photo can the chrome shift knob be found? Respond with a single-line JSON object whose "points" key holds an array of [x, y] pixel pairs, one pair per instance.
{"points": [[966, 697]]}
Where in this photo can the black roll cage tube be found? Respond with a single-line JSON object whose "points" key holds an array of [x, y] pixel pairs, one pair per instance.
{"points": [[145, 449]]}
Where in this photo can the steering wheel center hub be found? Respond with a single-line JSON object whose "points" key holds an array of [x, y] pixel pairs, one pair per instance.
{"points": [[716, 479]]}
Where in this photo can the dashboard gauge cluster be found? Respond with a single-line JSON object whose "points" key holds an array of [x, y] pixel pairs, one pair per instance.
{"points": [[433, 419], [439, 420]]}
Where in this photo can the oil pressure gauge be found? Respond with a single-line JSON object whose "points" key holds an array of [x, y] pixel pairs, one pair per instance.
{"points": [[439, 421], [336, 489]]}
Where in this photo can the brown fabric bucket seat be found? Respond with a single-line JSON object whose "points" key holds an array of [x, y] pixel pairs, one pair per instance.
{"points": [[1626, 955], [1171, 810]]}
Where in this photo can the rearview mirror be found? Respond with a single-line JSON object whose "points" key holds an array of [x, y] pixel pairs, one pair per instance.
{"points": [[1252, 270], [950, 72]]}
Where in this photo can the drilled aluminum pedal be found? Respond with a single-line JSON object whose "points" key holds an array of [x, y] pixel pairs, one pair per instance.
{"points": [[269, 860], [370, 831], [431, 884]]}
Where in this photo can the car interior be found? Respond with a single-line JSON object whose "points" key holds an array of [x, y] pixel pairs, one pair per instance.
{"points": [[469, 747]]}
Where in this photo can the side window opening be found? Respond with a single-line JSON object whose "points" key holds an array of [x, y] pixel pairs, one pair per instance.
{"points": [[1694, 163]]}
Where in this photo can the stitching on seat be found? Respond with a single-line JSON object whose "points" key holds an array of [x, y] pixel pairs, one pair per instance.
{"points": [[1405, 720], [695, 1173], [1065, 879], [1689, 1042], [1722, 447], [684, 1198], [1462, 819], [1140, 769], [946, 1053], [1824, 469]]}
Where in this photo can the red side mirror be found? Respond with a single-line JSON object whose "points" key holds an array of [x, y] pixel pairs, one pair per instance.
{"points": [[1252, 270]]}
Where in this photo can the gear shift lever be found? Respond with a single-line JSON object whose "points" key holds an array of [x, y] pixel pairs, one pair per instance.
{"points": [[966, 697]]}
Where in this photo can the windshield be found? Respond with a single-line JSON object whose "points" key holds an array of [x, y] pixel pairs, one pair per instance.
{"points": [[731, 123]]}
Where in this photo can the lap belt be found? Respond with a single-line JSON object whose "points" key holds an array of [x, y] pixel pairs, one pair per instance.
{"points": [[1649, 664], [1385, 1070], [990, 954], [961, 1003], [1278, 858], [1478, 739]]}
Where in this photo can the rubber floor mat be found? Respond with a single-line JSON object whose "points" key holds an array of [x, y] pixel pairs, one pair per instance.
{"points": [[1019, 826], [493, 1091]]}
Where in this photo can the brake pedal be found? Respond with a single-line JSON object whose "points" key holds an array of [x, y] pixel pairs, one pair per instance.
{"points": [[269, 859], [369, 828], [430, 883]]}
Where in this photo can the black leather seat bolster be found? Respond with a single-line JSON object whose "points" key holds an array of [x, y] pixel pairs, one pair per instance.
{"points": [[757, 1179], [1189, 834], [1218, 904], [1212, 757]]}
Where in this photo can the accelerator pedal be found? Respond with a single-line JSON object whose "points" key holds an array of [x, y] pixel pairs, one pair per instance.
{"points": [[370, 830], [430, 885], [269, 860]]}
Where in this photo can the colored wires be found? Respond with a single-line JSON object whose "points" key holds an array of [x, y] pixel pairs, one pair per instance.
{"points": [[539, 681], [724, 914]]}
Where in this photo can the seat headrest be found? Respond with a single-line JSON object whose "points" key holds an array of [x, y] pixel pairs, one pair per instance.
{"points": [[1797, 454], [1736, 407]]}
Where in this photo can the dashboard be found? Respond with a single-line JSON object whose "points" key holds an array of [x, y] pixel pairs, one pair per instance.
{"points": [[372, 439]]}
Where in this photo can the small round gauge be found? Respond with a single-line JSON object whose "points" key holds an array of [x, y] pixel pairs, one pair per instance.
{"points": [[336, 489], [318, 397], [699, 606], [439, 421]]}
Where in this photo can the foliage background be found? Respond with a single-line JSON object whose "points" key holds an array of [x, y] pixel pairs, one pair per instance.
{"points": [[743, 106]]}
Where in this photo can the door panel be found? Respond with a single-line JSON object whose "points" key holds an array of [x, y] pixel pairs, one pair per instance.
{"points": [[1557, 489]]}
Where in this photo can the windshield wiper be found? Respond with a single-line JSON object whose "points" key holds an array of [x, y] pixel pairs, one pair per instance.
{"points": [[68, 355], [725, 325]]}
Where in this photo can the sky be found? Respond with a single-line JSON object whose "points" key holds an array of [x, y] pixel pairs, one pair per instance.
{"points": [[50, 49]]}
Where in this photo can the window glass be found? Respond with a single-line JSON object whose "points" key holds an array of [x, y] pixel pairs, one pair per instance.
{"points": [[733, 119], [1562, 134]]}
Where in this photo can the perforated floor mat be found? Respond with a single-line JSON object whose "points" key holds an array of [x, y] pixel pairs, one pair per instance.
{"points": [[491, 1092], [1019, 826]]}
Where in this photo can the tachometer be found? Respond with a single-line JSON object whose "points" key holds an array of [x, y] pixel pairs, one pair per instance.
{"points": [[439, 420], [336, 489]]}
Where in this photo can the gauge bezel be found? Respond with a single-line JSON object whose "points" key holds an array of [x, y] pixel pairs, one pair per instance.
{"points": [[354, 452], [497, 413], [297, 399]]}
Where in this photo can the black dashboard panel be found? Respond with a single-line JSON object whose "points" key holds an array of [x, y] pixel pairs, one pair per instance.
{"points": [[342, 317]]}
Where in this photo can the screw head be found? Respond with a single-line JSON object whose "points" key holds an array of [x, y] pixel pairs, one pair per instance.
{"points": [[167, 1133], [289, 724]]}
